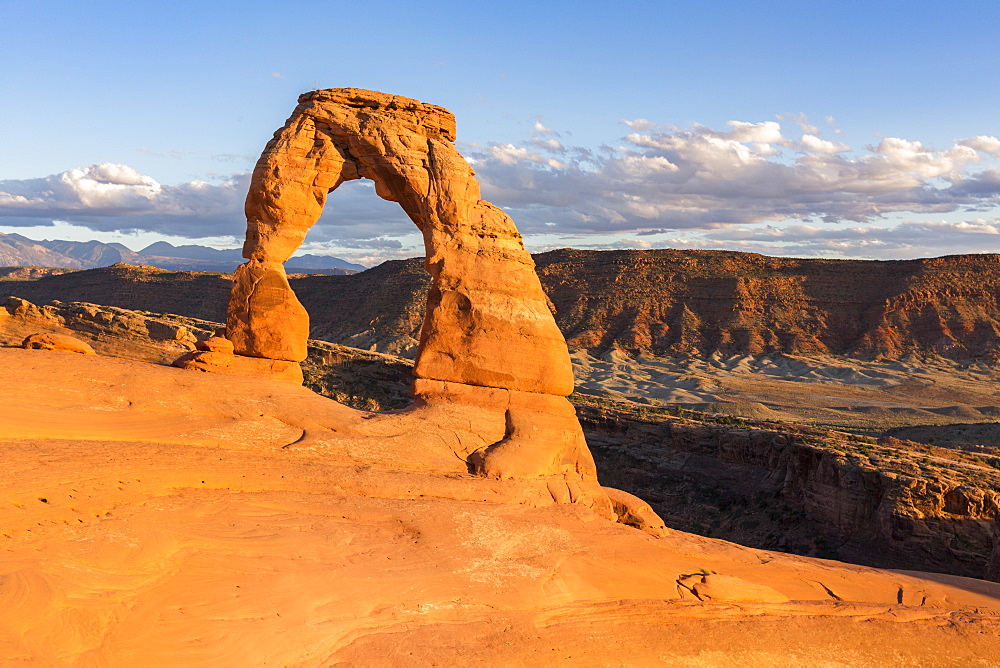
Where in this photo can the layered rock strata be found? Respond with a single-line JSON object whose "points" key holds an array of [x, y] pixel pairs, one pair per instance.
{"points": [[804, 490]]}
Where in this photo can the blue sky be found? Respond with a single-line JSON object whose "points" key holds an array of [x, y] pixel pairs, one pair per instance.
{"points": [[848, 129]]}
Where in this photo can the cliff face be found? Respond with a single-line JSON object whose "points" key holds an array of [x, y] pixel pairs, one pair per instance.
{"points": [[700, 302], [803, 490], [665, 302]]}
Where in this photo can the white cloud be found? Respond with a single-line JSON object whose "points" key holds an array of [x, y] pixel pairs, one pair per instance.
{"points": [[508, 154], [802, 121], [542, 130], [700, 177], [639, 125], [767, 132], [908, 239], [626, 244], [814, 144], [549, 144], [109, 197], [765, 150], [984, 143]]}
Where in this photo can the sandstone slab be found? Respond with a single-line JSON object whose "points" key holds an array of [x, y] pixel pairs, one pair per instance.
{"points": [[179, 519]]}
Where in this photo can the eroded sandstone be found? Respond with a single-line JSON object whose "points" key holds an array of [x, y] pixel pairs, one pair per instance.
{"points": [[63, 342], [487, 321], [489, 340]]}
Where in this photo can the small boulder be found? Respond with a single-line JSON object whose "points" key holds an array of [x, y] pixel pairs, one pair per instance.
{"points": [[635, 512], [48, 341], [216, 344]]}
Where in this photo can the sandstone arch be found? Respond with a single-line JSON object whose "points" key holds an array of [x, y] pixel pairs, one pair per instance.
{"points": [[492, 369], [487, 321]]}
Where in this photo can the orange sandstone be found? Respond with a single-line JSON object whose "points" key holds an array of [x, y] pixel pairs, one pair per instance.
{"points": [[489, 340], [488, 321]]}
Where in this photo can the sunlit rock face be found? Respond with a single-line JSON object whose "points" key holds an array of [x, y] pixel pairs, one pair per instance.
{"points": [[488, 322]]}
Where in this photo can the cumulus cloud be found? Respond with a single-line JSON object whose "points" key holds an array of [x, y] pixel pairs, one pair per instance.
{"points": [[768, 132], [747, 173], [112, 197], [813, 144], [508, 154], [116, 198], [983, 143]]}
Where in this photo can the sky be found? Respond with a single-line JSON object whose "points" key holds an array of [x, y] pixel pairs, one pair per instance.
{"points": [[835, 129]]}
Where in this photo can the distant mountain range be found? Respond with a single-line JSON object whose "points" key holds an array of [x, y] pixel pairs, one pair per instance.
{"points": [[661, 302], [19, 251]]}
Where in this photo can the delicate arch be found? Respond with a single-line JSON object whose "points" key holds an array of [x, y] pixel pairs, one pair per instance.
{"points": [[487, 321]]}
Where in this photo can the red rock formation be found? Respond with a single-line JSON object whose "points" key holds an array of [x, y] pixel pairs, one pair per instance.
{"points": [[701, 302], [796, 488], [265, 319], [489, 341], [63, 342], [487, 320], [660, 301]]}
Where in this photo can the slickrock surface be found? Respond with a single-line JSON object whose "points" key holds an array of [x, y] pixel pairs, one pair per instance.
{"points": [[154, 516], [757, 482], [359, 378]]}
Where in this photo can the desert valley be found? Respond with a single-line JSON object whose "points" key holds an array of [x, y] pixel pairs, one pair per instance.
{"points": [[483, 457]]}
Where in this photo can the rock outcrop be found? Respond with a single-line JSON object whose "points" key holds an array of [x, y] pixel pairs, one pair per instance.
{"points": [[487, 321], [107, 330], [488, 342], [63, 342]]}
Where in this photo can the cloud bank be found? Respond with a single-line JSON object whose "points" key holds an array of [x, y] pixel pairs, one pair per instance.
{"points": [[752, 186], [749, 173]]}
